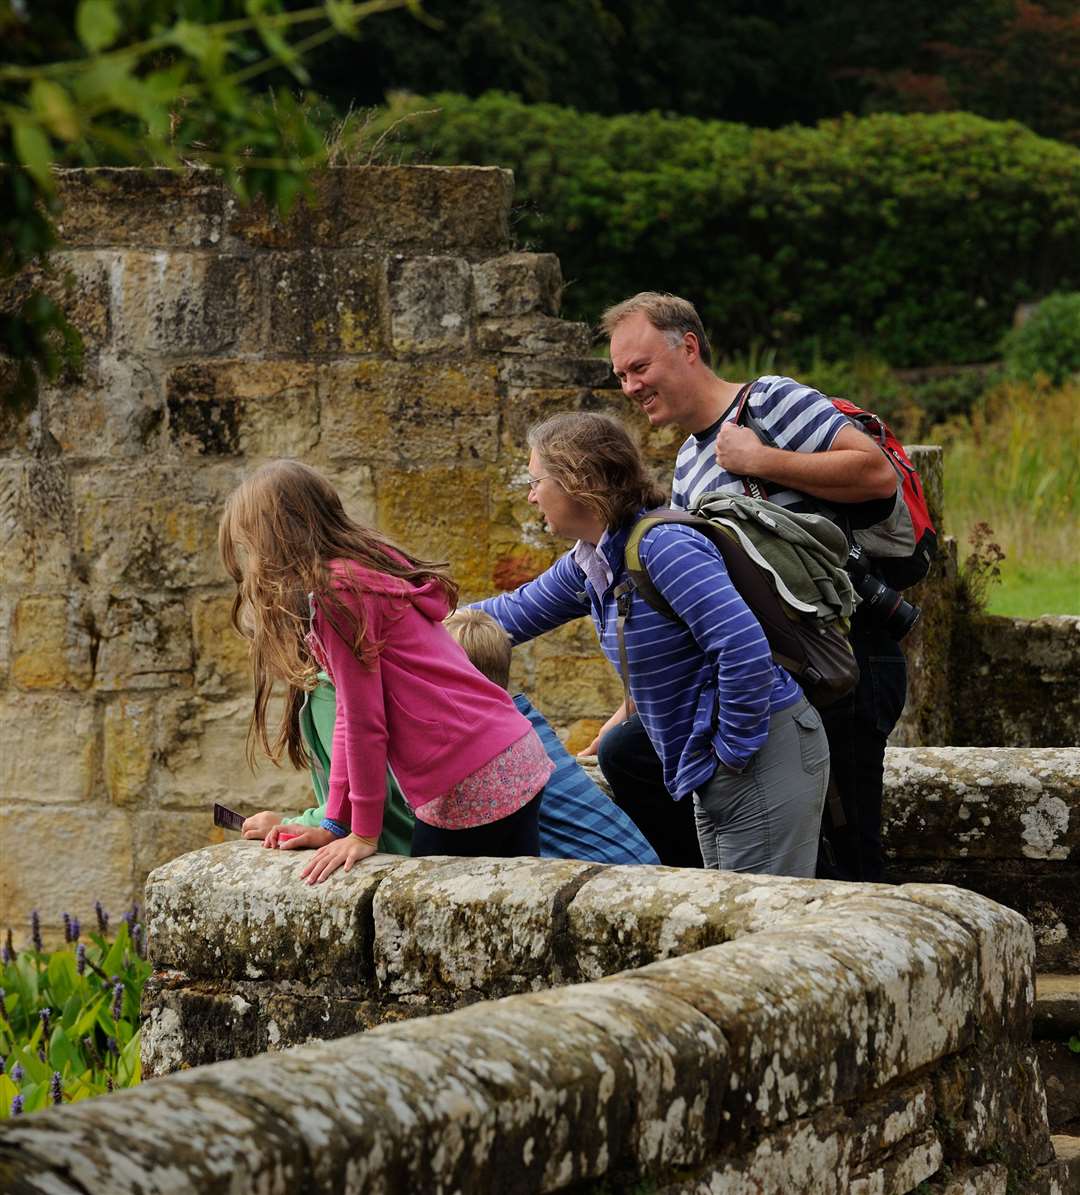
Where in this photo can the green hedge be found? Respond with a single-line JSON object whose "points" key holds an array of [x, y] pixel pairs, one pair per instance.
{"points": [[910, 236]]}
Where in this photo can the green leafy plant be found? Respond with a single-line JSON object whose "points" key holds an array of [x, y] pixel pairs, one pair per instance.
{"points": [[980, 570], [908, 237], [1047, 342], [69, 1018], [1074, 1043]]}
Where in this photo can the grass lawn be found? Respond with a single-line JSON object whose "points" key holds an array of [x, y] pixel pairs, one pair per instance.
{"points": [[1028, 589]]}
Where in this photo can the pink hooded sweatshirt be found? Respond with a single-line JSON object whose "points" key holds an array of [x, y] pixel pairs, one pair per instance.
{"points": [[423, 708]]}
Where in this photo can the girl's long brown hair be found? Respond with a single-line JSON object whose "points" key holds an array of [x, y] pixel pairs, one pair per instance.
{"points": [[279, 532]]}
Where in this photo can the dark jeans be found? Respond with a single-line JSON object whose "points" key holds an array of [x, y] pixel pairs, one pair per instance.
{"points": [[507, 838], [858, 728], [632, 768]]}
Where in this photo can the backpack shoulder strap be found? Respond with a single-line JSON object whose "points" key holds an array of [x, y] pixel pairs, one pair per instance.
{"points": [[635, 566]]}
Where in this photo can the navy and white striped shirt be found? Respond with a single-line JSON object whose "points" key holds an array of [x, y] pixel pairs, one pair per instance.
{"points": [[705, 686], [785, 414]]}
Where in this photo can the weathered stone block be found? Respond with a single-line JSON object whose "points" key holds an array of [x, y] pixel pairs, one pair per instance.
{"points": [[267, 922], [355, 485], [1060, 1070], [113, 410], [151, 527], [55, 844], [145, 209], [440, 514], [6, 608], [513, 909], [396, 412], [162, 835], [179, 303], [145, 644], [78, 283], [20, 418], [129, 740], [35, 522], [430, 304], [983, 802], [248, 408], [535, 335], [518, 283], [61, 730], [202, 750], [813, 1009], [326, 302], [569, 687], [558, 373], [51, 646], [222, 657], [1027, 675], [1006, 954], [433, 209]]}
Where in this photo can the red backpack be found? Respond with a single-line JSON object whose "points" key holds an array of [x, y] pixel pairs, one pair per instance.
{"points": [[898, 533]]}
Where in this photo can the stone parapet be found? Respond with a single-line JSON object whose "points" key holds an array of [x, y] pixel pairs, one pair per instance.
{"points": [[745, 1033], [1004, 822]]}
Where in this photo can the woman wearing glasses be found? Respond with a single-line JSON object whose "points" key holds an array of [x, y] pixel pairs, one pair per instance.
{"points": [[732, 729]]}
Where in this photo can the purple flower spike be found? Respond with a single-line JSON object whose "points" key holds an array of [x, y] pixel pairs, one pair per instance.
{"points": [[102, 918], [136, 939], [117, 1001], [45, 1015], [111, 1046], [8, 953], [35, 930], [16, 1073], [109, 1084], [80, 959], [76, 929], [16, 1105], [41, 1054], [67, 926], [56, 1088]]}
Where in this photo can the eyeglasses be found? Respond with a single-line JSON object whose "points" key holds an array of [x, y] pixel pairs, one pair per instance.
{"points": [[531, 483]]}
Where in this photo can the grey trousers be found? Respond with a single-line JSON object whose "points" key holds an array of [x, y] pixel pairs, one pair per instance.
{"points": [[767, 818]]}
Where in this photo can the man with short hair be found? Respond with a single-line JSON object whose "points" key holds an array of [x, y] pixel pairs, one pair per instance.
{"points": [[811, 458]]}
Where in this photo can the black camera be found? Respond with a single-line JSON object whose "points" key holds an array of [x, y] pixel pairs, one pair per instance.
{"points": [[884, 605]]}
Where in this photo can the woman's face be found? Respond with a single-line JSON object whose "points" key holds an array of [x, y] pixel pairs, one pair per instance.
{"points": [[566, 517]]}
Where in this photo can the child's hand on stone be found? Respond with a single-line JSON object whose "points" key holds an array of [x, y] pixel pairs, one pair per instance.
{"points": [[259, 824], [341, 852], [292, 837]]}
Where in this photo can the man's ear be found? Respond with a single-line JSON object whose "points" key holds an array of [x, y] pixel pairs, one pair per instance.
{"points": [[691, 346]]}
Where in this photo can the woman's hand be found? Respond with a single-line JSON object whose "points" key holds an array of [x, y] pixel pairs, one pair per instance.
{"points": [[341, 852], [260, 824], [297, 837], [620, 715]]}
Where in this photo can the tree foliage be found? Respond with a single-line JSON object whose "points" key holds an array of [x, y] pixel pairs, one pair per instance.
{"points": [[141, 82], [760, 62], [913, 236]]}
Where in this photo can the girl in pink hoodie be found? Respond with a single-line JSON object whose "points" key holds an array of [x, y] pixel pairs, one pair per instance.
{"points": [[317, 590]]}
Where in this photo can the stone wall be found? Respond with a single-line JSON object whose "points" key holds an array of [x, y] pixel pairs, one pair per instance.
{"points": [[389, 336], [720, 1033]]}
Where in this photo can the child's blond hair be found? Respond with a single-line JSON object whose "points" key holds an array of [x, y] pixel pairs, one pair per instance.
{"points": [[485, 643]]}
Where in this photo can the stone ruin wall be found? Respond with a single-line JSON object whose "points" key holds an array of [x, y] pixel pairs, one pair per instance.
{"points": [[717, 1033], [390, 336]]}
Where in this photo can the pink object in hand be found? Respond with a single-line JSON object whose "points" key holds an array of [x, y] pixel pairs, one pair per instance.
{"points": [[283, 837]]}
